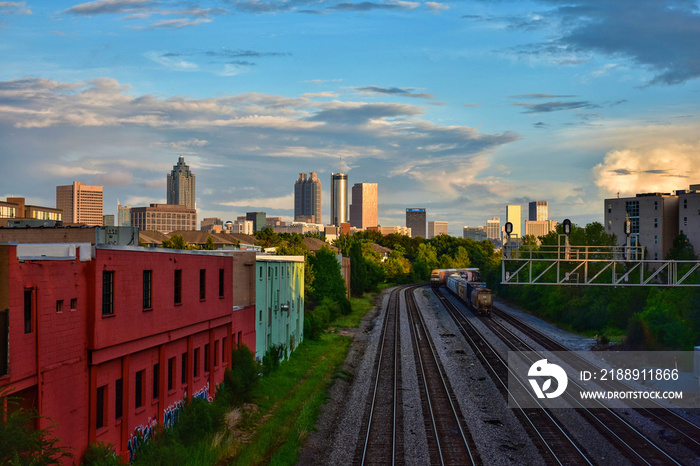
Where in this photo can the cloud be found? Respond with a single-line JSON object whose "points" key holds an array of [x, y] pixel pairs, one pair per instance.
{"points": [[393, 91], [435, 6], [660, 36], [282, 202], [541, 96], [650, 168], [14, 8], [557, 106], [368, 6], [171, 63], [101, 7]]}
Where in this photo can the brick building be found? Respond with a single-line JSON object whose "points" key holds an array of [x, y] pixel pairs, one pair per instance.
{"points": [[108, 341]]}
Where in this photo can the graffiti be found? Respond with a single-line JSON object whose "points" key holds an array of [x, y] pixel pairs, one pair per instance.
{"points": [[141, 435], [144, 433]]}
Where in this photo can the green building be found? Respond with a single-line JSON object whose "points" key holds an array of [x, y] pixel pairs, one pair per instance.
{"points": [[279, 303]]}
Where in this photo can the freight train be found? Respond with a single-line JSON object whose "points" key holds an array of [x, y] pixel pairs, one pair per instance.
{"points": [[466, 284]]}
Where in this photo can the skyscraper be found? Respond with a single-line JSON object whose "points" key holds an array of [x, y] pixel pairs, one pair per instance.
{"points": [[493, 229], [415, 220], [181, 185], [514, 216], [307, 198], [436, 228], [364, 207], [80, 203], [539, 211], [123, 215], [339, 198]]}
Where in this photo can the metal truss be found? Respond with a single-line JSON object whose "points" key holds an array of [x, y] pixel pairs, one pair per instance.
{"points": [[593, 265]]}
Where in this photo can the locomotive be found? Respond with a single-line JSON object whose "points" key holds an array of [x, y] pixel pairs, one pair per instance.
{"points": [[466, 284]]}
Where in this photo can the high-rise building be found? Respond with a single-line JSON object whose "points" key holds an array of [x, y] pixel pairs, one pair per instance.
{"points": [[539, 211], [80, 203], [181, 184], [415, 220], [493, 229], [307, 198], [339, 198], [475, 233], [437, 228], [364, 208], [123, 215], [514, 216], [539, 228], [108, 220], [258, 218]]}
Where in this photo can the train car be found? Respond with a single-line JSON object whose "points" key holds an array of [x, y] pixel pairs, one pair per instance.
{"points": [[438, 277], [475, 295]]}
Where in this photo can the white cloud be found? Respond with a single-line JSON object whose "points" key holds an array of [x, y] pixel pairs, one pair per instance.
{"points": [[283, 202], [172, 63]]}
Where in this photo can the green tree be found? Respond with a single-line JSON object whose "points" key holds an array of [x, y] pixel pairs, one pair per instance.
{"points": [[328, 281], [358, 268], [267, 238], [176, 242], [20, 443], [209, 245], [681, 249]]}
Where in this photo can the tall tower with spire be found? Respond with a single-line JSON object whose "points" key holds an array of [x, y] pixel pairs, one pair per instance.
{"points": [[181, 185]]}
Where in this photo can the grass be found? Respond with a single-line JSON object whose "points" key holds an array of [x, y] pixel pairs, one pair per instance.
{"points": [[290, 398]]}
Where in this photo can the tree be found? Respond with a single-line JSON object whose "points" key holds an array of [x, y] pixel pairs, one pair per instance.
{"points": [[358, 269], [22, 445], [176, 242], [209, 245], [681, 249], [267, 238], [328, 280]]}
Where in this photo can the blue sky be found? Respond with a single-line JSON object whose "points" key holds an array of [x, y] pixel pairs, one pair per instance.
{"points": [[461, 107]]}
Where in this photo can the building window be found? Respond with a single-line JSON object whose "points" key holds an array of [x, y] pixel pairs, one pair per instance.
{"points": [[656, 223], [178, 286], [156, 380], [4, 340], [74, 304], [216, 353], [685, 221], [656, 239], [207, 360], [202, 284], [171, 373], [183, 376], [656, 205], [118, 398], [224, 357], [147, 289], [100, 414], [139, 389], [221, 283], [107, 293], [28, 311], [261, 273], [685, 203], [59, 305], [195, 363]]}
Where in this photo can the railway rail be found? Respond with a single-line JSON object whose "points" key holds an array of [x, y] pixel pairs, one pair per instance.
{"points": [[552, 439], [681, 429]]}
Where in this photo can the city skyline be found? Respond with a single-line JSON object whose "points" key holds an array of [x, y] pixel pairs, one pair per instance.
{"points": [[460, 118]]}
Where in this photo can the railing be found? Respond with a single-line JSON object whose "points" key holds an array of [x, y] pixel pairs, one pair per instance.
{"points": [[593, 265]]}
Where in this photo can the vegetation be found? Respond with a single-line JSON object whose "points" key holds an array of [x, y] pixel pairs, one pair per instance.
{"points": [[21, 443]]}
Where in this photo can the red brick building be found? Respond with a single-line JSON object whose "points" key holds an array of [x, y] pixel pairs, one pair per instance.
{"points": [[109, 340]]}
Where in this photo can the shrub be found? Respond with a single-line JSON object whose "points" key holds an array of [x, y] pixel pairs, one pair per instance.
{"points": [[241, 378], [101, 454]]}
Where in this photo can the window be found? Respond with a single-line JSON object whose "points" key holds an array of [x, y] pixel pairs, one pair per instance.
{"points": [[202, 284], [4, 340], [100, 414], [221, 283], [261, 272], [28, 311], [183, 376], [656, 205], [139, 389], [171, 373], [156, 380], [207, 368], [685, 203], [178, 286], [74, 304], [216, 353], [107, 293], [59, 305], [609, 208], [224, 357], [118, 398], [656, 223], [685, 221], [195, 363], [147, 289], [656, 239]]}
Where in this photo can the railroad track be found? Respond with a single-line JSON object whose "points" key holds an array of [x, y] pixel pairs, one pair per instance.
{"points": [[383, 426], [449, 442], [555, 443], [681, 430]]}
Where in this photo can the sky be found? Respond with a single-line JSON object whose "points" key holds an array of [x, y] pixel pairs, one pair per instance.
{"points": [[458, 106]]}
